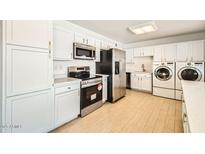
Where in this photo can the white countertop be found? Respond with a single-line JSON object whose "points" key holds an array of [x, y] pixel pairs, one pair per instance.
{"points": [[103, 75], [65, 81], [143, 73], [194, 96]]}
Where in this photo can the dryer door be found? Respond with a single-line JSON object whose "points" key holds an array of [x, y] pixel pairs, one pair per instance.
{"points": [[190, 73], [163, 73]]}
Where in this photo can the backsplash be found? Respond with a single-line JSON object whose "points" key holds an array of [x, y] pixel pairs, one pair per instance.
{"points": [[137, 64], [60, 67]]}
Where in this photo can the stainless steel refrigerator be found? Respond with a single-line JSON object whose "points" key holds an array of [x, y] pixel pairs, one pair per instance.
{"points": [[112, 63]]}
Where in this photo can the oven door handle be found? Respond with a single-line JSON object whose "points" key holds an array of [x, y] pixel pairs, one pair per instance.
{"points": [[91, 84]]}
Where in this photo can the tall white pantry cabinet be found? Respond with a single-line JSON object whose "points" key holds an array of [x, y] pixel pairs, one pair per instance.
{"points": [[27, 103]]}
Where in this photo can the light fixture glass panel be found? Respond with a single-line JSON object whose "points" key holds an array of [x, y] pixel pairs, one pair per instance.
{"points": [[138, 31], [149, 28], [143, 28]]}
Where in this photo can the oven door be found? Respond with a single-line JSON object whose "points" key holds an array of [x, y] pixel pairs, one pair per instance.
{"points": [[90, 95], [84, 52]]}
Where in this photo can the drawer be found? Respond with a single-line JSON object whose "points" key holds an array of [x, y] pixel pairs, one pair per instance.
{"points": [[67, 88]]}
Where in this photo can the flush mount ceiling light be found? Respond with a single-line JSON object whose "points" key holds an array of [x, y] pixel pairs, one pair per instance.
{"points": [[143, 28]]}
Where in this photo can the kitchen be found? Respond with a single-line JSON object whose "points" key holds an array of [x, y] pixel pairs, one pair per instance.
{"points": [[81, 77]]}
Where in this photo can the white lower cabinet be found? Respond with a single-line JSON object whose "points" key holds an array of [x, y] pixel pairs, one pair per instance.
{"points": [[141, 82], [147, 83], [178, 95], [31, 113], [67, 103], [185, 118]]}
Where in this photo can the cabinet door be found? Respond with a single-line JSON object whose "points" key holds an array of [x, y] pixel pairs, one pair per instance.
{"points": [[104, 89], [27, 70], [90, 41], [129, 55], [29, 33], [62, 43], [98, 46], [183, 51], [158, 53], [104, 45], [169, 52], [197, 51], [139, 82], [133, 81], [138, 52], [147, 83], [148, 51], [30, 113], [80, 38], [67, 107]]}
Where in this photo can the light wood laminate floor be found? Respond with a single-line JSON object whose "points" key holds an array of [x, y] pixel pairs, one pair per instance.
{"points": [[138, 112]]}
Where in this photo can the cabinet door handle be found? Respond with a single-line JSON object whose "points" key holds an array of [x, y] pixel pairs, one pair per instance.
{"points": [[68, 87], [49, 48], [87, 41]]}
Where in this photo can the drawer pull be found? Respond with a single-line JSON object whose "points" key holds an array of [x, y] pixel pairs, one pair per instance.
{"points": [[68, 88]]}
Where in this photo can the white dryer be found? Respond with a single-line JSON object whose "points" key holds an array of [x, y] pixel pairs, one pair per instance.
{"points": [[192, 71], [164, 79]]}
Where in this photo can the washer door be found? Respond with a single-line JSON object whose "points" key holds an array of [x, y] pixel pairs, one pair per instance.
{"points": [[163, 73], [190, 73]]}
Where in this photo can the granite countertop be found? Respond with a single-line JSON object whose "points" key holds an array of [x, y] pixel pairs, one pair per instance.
{"points": [[194, 97]]}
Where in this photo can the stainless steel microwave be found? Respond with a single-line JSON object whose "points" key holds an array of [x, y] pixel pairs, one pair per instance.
{"points": [[82, 51]]}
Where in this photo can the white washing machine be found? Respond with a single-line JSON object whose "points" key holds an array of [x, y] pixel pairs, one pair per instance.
{"points": [[193, 71], [164, 79]]}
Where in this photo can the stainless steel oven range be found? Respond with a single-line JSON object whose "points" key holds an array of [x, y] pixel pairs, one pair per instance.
{"points": [[91, 89]]}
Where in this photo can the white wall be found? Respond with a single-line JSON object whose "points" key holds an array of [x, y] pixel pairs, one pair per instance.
{"points": [[167, 40], [60, 67]]}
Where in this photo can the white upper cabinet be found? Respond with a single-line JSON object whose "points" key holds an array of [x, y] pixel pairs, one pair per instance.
{"points": [[90, 40], [158, 53], [80, 38], [148, 51], [183, 51], [169, 52], [84, 39], [165, 53], [137, 52], [62, 43], [129, 55], [98, 46], [190, 51], [105, 45], [29, 33], [27, 70], [143, 51], [198, 50]]}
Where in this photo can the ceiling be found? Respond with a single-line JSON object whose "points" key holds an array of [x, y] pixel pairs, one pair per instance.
{"points": [[118, 29]]}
